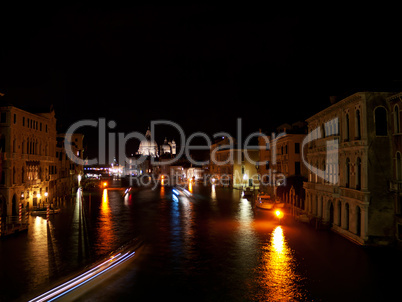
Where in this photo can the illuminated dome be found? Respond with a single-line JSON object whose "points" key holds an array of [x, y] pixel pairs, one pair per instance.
{"points": [[148, 147]]}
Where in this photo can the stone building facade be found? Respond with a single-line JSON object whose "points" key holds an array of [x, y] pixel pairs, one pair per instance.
{"points": [[27, 143], [33, 164], [280, 160], [349, 151], [233, 167], [395, 102]]}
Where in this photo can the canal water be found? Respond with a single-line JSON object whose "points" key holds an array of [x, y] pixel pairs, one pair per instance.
{"points": [[211, 246]]}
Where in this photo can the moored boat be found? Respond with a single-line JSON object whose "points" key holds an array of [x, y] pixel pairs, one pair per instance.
{"points": [[264, 201], [43, 211]]}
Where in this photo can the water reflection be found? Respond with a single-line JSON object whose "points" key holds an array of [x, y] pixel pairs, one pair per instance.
{"points": [[105, 225], [187, 223], [213, 192], [38, 246], [246, 240], [278, 241], [279, 277]]}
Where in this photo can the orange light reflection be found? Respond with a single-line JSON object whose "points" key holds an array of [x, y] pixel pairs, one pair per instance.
{"points": [[105, 229], [279, 277]]}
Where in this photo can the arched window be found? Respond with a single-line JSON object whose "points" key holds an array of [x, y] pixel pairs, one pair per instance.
{"points": [[396, 119], [358, 173], [380, 120], [347, 173], [347, 127], [358, 220], [358, 128], [398, 168], [346, 216]]}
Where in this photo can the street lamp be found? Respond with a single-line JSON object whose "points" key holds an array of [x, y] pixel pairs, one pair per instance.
{"points": [[279, 214]]}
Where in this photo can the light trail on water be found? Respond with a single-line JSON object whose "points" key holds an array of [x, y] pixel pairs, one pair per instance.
{"points": [[82, 279]]}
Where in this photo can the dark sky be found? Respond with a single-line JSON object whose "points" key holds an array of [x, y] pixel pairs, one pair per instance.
{"points": [[201, 66]]}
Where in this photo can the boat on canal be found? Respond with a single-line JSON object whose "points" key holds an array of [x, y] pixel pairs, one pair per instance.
{"points": [[267, 202], [264, 201], [43, 211]]}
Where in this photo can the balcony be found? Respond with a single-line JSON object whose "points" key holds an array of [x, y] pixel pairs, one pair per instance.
{"points": [[354, 194], [320, 145], [33, 182], [327, 188]]}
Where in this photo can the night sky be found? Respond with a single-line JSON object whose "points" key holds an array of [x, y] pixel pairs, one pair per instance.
{"points": [[201, 66]]}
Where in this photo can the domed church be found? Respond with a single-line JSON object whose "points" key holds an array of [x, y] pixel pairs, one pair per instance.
{"points": [[168, 147], [148, 147]]}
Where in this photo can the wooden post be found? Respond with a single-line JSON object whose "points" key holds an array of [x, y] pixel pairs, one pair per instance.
{"points": [[20, 213], [47, 212]]}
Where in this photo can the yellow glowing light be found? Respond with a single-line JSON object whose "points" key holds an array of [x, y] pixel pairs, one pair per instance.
{"points": [[278, 240], [105, 196], [278, 214], [104, 184]]}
